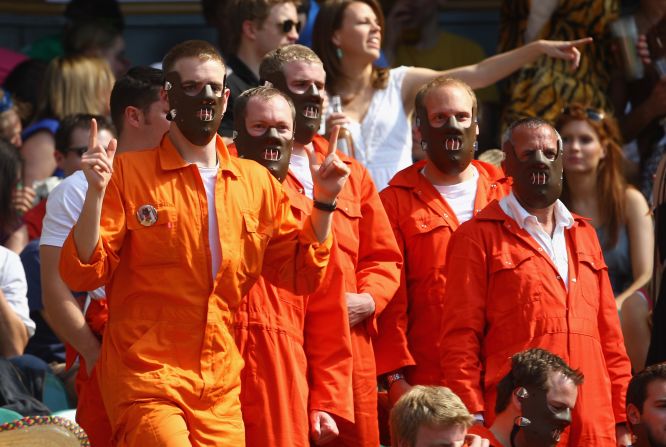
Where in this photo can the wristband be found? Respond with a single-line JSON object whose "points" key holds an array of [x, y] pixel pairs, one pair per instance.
{"points": [[393, 378], [328, 207]]}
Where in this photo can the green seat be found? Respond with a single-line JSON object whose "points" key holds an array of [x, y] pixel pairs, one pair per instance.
{"points": [[55, 395], [8, 416]]}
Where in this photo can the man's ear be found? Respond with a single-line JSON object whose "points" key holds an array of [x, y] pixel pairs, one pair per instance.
{"points": [[516, 402], [633, 415], [249, 29], [133, 116], [164, 96]]}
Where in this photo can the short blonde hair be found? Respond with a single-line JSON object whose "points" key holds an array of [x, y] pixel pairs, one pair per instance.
{"points": [[433, 406], [443, 81], [76, 84]]}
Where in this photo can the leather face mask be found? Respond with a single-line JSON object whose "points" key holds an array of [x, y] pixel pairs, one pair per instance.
{"points": [[540, 425], [197, 114], [308, 108], [269, 149], [537, 177], [451, 146]]}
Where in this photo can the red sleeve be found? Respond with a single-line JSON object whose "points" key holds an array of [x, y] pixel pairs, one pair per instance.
{"points": [[612, 342], [379, 258], [390, 344], [463, 327], [33, 220], [328, 346]]}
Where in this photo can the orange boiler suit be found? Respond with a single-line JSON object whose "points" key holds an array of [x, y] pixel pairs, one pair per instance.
{"points": [[90, 412], [423, 223], [508, 296], [297, 353], [370, 262], [169, 370]]}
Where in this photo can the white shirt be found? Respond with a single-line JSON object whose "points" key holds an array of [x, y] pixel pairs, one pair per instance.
{"points": [[15, 287], [208, 177], [556, 247], [63, 208], [460, 196], [383, 140], [299, 166]]}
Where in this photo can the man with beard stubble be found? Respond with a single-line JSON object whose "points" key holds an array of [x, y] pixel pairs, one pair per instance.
{"points": [[426, 203], [528, 274], [183, 233], [646, 406]]}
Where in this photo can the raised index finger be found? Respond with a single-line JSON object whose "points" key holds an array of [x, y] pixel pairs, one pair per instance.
{"points": [[333, 140], [582, 42], [92, 138]]}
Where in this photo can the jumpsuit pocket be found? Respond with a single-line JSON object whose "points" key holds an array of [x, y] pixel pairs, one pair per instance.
{"points": [[153, 245], [426, 239], [347, 239], [515, 273], [253, 239], [590, 274]]}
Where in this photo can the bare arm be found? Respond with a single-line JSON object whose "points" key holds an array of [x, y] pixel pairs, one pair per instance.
{"points": [[13, 333], [62, 311], [17, 241], [641, 243], [494, 68]]}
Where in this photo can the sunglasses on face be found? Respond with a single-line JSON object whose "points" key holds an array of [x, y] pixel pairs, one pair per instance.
{"points": [[78, 150], [287, 26], [593, 114]]}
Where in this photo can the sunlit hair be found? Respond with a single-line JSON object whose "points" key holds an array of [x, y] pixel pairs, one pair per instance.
{"points": [[611, 184], [264, 94], [431, 406], [274, 61], [531, 367], [200, 49], [76, 84], [529, 123], [329, 20], [443, 81], [637, 390]]}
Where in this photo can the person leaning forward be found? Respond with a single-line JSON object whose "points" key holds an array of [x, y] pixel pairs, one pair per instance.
{"points": [[183, 233]]}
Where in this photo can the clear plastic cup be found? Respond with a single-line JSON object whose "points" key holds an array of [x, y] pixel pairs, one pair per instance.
{"points": [[626, 33]]}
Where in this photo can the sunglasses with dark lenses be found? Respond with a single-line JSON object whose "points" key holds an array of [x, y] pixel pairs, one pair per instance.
{"points": [[288, 24], [593, 114], [79, 150]]}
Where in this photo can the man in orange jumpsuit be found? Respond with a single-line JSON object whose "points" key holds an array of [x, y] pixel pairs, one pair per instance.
{"points": [[426, 203], [369, 256], [534, 401], [529, 274], [297, 349], [184, 232], [139, 115]]}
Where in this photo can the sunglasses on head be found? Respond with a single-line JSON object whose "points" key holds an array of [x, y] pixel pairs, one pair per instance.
{"points": [[593, 114], [288, 24]]}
